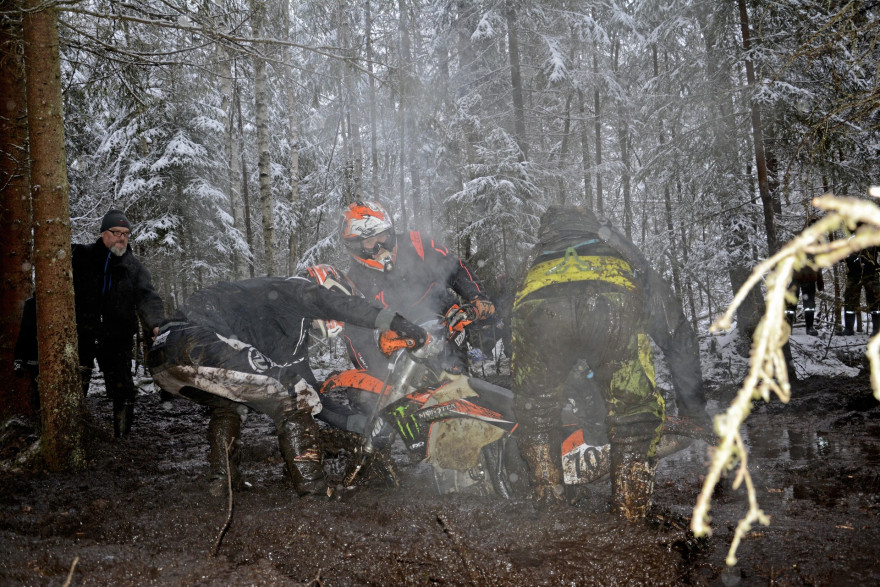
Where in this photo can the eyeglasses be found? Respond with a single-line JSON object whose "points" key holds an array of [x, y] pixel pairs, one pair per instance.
{"points": [[119, 233]]}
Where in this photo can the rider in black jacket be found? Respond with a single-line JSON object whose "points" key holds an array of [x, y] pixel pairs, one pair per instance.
{"points": [[112, 289], [240, 345], [409, 272]]}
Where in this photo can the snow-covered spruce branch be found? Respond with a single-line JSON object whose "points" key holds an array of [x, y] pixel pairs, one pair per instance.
{"points": [[767, 371], [235, 42]]}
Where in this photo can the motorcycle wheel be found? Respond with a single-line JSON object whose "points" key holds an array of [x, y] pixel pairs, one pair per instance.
{"points": [[489, 477]]}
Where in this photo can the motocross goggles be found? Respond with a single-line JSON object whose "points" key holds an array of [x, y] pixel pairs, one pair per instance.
{"points": [[376, 252]]}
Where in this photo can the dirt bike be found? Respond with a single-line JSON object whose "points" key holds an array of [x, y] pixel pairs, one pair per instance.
{"points": [[462, 426]]}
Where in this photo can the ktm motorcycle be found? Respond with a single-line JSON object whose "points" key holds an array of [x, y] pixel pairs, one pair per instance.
{"points": [[464, 427]]}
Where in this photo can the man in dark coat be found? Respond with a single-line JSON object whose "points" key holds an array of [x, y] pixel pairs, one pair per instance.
{"points": [[590, 294], [112, 289], [244, 345]]}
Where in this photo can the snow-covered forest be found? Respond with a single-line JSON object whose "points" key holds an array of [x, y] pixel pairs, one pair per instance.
{"points": [[232, 131]]}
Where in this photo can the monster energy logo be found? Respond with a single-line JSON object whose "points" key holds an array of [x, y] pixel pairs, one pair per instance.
{"points": [[407, 424]]}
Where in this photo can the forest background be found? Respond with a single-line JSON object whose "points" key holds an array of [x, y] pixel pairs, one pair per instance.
{"points": [[231, 132]]}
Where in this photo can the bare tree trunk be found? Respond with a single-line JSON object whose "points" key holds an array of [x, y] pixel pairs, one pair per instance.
{"points": [[519, 119], [355, 152], [16, 262], [585, 153], [245, 194], [61, 398], [767, 196], [597, 112], [229, 93], [374, 152], [264, 161], [293, 139], [409, 126], [563, 149], [736, 239], [623, 137]]}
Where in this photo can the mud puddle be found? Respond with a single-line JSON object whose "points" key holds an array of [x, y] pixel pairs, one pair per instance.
{"points": [[140, 514]]}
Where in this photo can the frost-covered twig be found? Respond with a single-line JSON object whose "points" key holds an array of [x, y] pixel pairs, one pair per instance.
{"points": [[767, 370]]}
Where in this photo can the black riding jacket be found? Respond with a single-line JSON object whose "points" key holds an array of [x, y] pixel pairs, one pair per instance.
{"points": [[111, 292], [274, 314], [424, 281]]}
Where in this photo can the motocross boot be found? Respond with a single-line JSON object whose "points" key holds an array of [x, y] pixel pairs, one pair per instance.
{"points": [[547, 481], [224, 434], [632, 480], [875, 323], [809, 316], [632, 464], [123, 416], [301, 449], [849, 322]]}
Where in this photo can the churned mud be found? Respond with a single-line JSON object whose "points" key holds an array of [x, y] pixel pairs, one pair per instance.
{"points": [[141, 514]]}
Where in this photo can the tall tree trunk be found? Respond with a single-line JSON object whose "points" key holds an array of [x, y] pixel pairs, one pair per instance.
{"points": [[16, 261], [374, 151], [563, 149], [245, 195], [264, 161], [229, 97], [585, 153], [61, 399], [597, 112], [348, 95], [625, 179], [293, 139], [764, 190], [737, 242], [519, 119], [409, 124]]}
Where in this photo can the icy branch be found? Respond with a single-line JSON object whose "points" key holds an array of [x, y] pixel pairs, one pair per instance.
{"points": [[768, 372]]}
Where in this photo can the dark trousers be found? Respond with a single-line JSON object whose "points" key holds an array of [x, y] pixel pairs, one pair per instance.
{"points": [[114, 358], [854, 284], [584, 320], [806, 289]]}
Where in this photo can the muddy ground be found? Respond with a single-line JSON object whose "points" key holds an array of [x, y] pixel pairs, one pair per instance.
{"points": [[141, 515]]}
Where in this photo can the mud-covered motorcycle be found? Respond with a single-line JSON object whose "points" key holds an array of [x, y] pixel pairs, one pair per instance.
{"points": [[465, 427]]}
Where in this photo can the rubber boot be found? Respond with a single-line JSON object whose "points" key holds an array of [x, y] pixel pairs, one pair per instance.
{"points": [[875, 323], [123, 417], [224, 434], [789, 317], [849, 321], [808, 320], [547, 480], [302, 452], [632, 480]]}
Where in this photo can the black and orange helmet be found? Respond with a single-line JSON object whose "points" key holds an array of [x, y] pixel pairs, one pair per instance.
{"points": [[369, 222]]}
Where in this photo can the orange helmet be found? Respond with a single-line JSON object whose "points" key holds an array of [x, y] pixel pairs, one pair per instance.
{"points": [[367, 230], [333, 279]]}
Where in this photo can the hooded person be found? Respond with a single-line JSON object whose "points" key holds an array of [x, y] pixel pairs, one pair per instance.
{"points": [[240, 346], [588, 293], [112, 291]]}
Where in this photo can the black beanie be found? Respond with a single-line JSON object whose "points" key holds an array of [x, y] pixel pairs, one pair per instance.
{"points": [[114, 218]]}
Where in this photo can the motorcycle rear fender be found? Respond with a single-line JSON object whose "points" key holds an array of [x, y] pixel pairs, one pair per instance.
{"points": [[353, 379]]}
